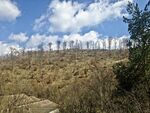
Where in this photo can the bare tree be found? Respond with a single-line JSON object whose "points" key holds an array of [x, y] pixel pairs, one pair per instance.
{"points": [[77, 46], [50, 46], [97, 44], [76, 49], [13, 54], [124, 43], [115, 43], [23, 51], [41, 49], [120, 44], [50, 49], [87, 45], [80, 45], [92, 45], [71, 43], [104, 44], [64, 45], [109, 43], [58, 42]]}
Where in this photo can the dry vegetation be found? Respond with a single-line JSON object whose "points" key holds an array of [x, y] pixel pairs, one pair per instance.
{"points": [[80, 82]]}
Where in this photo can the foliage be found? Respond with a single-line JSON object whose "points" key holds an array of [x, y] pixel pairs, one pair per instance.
{"points": [[133, 89], [137, 70]]}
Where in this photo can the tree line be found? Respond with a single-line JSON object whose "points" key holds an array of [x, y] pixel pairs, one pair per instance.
{"points": [[109, 44]]}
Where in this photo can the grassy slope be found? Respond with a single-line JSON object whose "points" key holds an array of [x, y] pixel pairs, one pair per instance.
{"points": [[54, 73]]}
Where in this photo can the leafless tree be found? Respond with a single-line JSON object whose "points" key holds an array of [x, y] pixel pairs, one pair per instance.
{"points": [[41, 49], [23, 51], [77, 45], [87, 45], [124, 43], [64, 45], [97, 44], [76, 49], [58, 42], [50, 46], [115, 43], [120, 44], [80, 45], [109, 43], [92, 45], [13, 54], [71, 43], [104, 44], [50, 49]]}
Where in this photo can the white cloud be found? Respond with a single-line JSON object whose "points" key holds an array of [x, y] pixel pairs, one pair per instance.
{"points": [[21, 37], [90, 36], [37, 39], [8, 10], [5, 48], [65, 16], [96, 38]]}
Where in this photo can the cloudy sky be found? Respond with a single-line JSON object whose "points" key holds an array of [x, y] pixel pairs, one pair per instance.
{"points": [[31, 22]]}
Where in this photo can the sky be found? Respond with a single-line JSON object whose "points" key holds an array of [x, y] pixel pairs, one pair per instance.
{"points": [[28, 23]]}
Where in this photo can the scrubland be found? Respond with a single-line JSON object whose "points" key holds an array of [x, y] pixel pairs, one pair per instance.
{"points": [[79, 81]]}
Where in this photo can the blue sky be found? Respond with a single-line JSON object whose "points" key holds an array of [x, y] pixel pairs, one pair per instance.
{"points": [[30, 10], [24, 18]]}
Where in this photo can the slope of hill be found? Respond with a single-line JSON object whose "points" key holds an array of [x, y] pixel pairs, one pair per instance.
{"points": [[60, 76]]}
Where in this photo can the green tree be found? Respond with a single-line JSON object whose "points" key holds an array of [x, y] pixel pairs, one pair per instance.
{"points": [[134, 76], [137, 70]]}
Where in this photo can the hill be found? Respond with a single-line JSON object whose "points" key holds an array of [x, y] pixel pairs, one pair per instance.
{"points": [[64, 77]]}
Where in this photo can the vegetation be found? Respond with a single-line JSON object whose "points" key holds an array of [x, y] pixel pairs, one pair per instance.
{"points": [[108, 81], [134, 77], [75, 83]]}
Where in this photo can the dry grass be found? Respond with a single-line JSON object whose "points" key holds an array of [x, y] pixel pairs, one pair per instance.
{"points": [[80, 82]]}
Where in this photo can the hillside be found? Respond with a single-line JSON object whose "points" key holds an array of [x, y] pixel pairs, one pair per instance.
{"points": [[60, 76]]}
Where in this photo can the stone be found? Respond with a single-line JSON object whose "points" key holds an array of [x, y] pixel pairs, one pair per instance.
{"points": [[23, 103]]}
